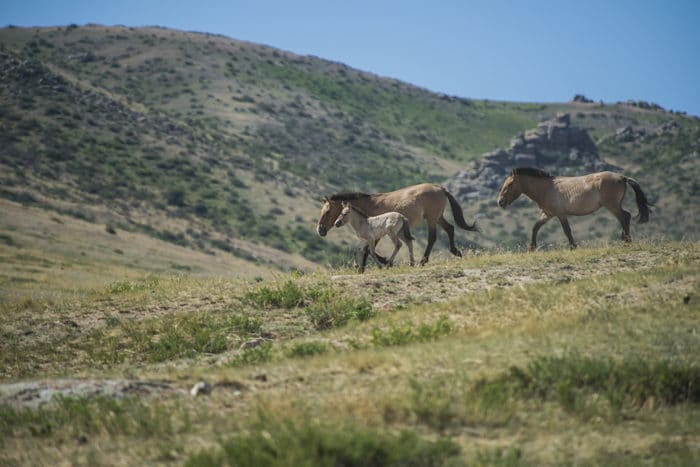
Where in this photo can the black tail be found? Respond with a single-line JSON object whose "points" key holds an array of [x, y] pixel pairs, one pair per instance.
{"points": [[457, 213], [642, 201], [406, 232]]}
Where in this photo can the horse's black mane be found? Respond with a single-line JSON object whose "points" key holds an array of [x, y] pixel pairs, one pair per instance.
{"points": [[350, 196], [532, 171]]}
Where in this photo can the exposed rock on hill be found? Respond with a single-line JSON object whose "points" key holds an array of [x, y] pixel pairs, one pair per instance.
{"points": [[555, 145]]}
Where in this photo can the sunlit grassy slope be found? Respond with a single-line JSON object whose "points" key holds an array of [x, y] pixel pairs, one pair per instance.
{"points": [[587, 357]]}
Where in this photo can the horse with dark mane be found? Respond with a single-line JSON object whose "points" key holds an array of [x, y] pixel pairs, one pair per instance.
{"points": [[561, 197], [426, 201]]}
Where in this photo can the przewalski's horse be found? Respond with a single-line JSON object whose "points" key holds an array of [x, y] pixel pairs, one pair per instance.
{"points": [[418, 202], [372, 229], [573, 196]]}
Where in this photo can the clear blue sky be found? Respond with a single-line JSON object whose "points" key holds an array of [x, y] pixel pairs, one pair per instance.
{"points": [[532, 51]]}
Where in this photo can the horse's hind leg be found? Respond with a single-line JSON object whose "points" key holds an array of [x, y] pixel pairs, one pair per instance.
{"points": [[432, 234], [397, 247], [567, 231], [449, 228], [624, 218], [535, 228]]}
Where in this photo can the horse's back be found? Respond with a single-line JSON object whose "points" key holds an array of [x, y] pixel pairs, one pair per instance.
{"points": [[586, 193], [418, 202]]}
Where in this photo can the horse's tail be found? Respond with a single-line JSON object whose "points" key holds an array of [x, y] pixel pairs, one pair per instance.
{"points": [[642, 201], [457, 213], [405, 231]]}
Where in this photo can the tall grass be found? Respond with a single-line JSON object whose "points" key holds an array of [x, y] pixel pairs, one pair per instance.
{"points": [[287, 442], [572, 379], [75, 416]]}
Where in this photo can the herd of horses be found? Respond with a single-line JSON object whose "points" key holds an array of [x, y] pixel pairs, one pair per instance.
{"points": [[393, 214]]}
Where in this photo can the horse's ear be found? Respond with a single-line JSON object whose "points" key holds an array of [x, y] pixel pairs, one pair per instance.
{"points": [[325, 199]]}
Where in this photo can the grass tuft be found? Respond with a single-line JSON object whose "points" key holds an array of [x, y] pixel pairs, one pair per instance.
{"points": [[307, 349], [287, 295], [407, 334]]}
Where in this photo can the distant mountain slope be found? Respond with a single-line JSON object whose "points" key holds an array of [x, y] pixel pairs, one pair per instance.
{"points": [[218, 144]]}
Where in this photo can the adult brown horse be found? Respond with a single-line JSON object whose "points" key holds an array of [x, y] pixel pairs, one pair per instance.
{"points": [[425, 201], [573, 196]]}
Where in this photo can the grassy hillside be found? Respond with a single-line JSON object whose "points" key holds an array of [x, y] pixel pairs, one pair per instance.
{"points": [[586, 357], [219, 145]]}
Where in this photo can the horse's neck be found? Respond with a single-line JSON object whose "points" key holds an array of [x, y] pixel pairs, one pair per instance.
{"points": [[358, 222], [537, 189], [371, 205]]}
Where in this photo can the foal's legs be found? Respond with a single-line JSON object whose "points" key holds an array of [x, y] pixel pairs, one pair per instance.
{"points": [[365, 252], [372, 244], [449, 228], [542, 221], [567, 230], [432, 234]]}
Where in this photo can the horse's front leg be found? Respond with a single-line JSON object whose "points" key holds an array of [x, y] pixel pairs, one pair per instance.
{"points": [[542, 221], [450, 230], [567, 231]]}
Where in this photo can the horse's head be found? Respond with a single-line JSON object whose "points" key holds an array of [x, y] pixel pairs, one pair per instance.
{"points": [[329, 213], [343, 216], [509, 191]]}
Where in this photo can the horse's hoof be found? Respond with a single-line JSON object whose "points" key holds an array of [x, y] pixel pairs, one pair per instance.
{"points": [[456, 252], [424, 261]]}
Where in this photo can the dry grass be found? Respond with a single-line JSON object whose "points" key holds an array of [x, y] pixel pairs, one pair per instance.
{"points": [[439, 335]]}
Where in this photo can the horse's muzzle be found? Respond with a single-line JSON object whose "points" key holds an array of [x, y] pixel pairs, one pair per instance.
{"points": [[502, 203], [321, 230]]}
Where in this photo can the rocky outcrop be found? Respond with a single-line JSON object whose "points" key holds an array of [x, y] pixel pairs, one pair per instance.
{"points": [[582, 99], [555, 145]]}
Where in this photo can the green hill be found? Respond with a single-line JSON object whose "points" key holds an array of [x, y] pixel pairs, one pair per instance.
{"points": [[225, 147]]}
